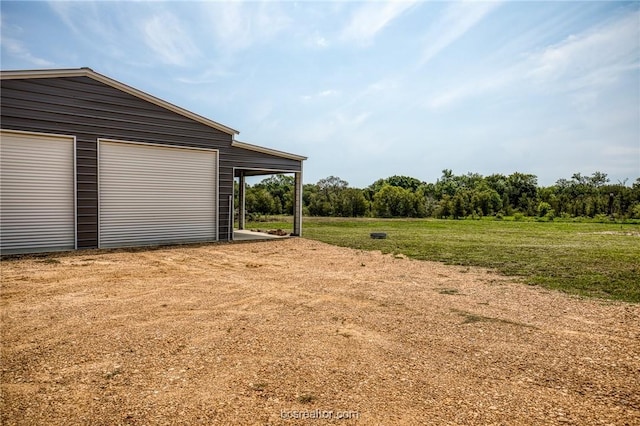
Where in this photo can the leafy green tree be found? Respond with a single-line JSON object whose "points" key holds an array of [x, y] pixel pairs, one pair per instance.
{"points": [[498, 183], [325, 197], [522, 190], [488, 201], [280, 187], [351, 203], [445, 207], [405, 182], [544, 208], [461, 196], [459, 210], [388, 201], [394, 201], [259, 200], [446, 185], [332, 185]]}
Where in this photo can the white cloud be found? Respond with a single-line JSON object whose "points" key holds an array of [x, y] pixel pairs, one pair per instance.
{"points": [[166, 36], [594, 58], [581, 64], [18, 50], [457, 20], [329, 92], [85, 18], [239, 25], [65, 11], [212, 73], [379, 92], [371, 18], [319, 41], [106, 24], [475, 87], [352, 120]]}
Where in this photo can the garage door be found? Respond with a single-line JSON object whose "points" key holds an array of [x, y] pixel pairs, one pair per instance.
{"points": [[37, 201], [151, 194]]}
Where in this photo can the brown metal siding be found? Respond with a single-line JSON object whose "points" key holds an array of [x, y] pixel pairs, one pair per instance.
{"points": [[90, 110]]}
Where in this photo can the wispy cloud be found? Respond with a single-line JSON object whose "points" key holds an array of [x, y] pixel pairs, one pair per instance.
{"points": [[581, 64], [211, 74], [108, 25], [238, 25], [65, 11], [319, 41], [456, 21], [327, 93], [84, 18], [477, 86], [352, 120], [593, 58], [18, 50], [166, 35], [371, 18]]}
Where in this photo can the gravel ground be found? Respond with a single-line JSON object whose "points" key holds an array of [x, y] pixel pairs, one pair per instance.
{"points": [[266, 332]]}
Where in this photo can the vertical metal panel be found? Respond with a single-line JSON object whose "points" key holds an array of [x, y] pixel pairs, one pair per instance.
{"points": [[37, 192], [297, 209], [242, 201], [152, 194]]}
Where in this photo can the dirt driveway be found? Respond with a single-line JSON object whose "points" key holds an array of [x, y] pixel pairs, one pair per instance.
{"points": [[272, 332]]}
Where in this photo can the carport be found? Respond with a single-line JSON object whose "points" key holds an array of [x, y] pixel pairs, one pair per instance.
{"points": [[293, 165]]}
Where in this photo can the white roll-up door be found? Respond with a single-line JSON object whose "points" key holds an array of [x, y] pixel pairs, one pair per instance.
{"points": [[37, 196], [152, 194]]}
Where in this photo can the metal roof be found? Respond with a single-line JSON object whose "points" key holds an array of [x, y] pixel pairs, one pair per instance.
{"points": [[269, 151], [88, 72]]}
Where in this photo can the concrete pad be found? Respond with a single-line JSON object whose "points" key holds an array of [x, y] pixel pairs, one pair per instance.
{"points": [[246, 235]]}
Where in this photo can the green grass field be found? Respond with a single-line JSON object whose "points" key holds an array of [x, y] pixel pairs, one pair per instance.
{"points": [[589, 259]]}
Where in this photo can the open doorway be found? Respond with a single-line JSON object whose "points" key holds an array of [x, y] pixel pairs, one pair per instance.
{"points": [[267, 204]]}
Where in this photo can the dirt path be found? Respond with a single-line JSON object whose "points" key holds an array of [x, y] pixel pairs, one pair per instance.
{"points": [[258, 333]]}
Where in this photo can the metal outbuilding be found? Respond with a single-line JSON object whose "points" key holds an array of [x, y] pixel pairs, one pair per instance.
{"points": [[89, 162]]}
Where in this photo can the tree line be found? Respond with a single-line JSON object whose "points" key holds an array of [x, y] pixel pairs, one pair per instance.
{"points": [[452, 196]]}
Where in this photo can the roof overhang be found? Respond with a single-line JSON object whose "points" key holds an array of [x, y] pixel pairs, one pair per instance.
{"points": [[269, 151], [88, 72]]}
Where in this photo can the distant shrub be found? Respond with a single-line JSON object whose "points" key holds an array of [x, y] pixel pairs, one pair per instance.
{"points": [[551, 214], [518, 217], [543, 208]]}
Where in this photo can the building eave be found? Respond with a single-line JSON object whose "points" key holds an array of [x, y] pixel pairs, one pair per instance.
{"points": [[274, 152]]}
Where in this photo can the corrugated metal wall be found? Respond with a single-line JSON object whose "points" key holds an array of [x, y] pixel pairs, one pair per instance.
{"points": [[89, 110]]}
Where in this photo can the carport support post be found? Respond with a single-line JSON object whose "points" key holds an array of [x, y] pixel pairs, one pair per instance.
{"points": [[297, 208], [241, 201]]}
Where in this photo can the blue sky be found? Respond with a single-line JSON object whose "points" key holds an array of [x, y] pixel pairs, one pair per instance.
{"points": [[367, 90]]}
